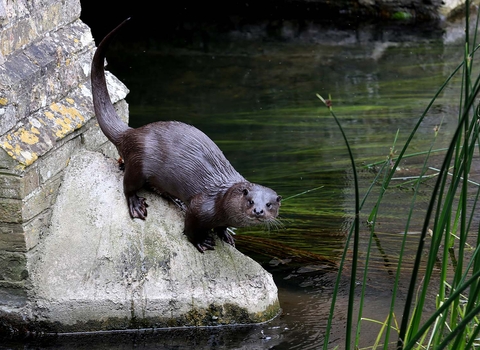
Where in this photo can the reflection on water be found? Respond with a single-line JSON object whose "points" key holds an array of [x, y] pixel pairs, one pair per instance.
{"points": [[255, 97]]}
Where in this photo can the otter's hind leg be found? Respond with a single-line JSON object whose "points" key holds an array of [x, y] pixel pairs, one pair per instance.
{"points": [[132, 182], [223, 234], [198, 235]]}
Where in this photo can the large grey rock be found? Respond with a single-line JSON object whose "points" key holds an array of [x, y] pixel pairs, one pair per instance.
{"points": [[97, 268]]}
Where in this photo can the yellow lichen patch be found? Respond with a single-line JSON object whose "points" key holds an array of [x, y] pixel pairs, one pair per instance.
{"points": [[3, 101], [49, 115], [69, 120], [70, 100], [28, 136], [11, 151], [7, 146], [29, 157], [66, 111], [65, 125], [16, 151]]}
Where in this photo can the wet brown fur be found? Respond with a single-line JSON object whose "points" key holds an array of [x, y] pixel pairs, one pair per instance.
{"points": [[182, 162]]}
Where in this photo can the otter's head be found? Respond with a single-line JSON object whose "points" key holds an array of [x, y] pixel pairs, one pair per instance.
{"points": [[248, 204]]}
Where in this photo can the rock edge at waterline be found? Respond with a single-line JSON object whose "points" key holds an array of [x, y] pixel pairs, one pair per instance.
{"points": [[101, 270]]}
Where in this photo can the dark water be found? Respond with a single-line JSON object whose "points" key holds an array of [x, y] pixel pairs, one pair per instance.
{"points": [[254, 93]]}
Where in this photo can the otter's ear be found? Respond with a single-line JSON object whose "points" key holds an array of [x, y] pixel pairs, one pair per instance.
{"points": [[245, 191], [279, 198]]}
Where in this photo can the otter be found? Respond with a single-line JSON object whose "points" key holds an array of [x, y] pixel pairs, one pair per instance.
{"points": [[180, 162]]}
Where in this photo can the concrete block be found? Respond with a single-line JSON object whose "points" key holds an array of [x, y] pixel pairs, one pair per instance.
{"points": [[42, 73], [133, 272], [11, 186], [12, 242], [31, 181], [10, 210], [39, 133], [12, 295], [10, 228], [12, 238], [93, 138], [19, 34], [7, 118], [8, 164], [41, 199], [36, 229], [13, 266], [57, 160]]}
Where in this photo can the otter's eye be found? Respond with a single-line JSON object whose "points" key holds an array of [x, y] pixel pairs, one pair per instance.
{"points": [[245, 192], [251, 202], [269, 205], [279, 198]]}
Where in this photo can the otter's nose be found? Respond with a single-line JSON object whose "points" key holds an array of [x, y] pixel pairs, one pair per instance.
{"points": [[258, 212]]}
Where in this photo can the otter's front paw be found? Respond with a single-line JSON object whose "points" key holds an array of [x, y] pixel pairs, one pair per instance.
{"points": [[207, 244], [223, 234], [138, 207]]}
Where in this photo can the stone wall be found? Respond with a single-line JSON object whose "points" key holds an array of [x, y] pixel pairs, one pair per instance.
{"points": [[71, 258], [45, 114]]}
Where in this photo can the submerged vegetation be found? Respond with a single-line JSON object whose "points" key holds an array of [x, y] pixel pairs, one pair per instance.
{"points": [[441, 304]]}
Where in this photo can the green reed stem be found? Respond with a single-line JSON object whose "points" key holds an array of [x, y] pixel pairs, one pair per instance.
{"points": [[356, 232], [415, 337], [442, 224], [460, 153], [397, 161], [438, 230]]}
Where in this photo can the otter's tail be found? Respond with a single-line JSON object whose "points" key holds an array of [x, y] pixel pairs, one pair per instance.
{"points": [[110, 123]]}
